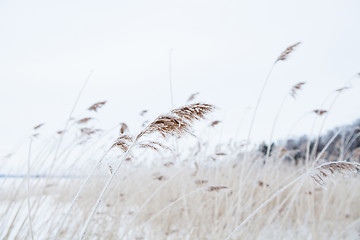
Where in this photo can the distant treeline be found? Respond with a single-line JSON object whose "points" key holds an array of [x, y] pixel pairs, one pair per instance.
{"points": [[340, 143]]}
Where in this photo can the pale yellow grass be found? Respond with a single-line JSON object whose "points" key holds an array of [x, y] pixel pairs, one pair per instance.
{"points": [[185, 203]]}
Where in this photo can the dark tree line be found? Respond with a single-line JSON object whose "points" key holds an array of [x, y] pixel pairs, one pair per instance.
{"points": [[343, 144]]}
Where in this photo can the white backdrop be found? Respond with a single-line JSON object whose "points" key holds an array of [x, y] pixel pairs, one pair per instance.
{"points": [[222, 49]]}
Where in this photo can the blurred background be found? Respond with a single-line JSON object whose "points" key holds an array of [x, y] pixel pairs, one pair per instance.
{"points": [[221, 49]]}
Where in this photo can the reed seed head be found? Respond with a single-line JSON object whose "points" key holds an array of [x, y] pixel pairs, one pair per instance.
{"points": [[154, 145], [284, 55], [39, 126], [89, 131], [192, 96], [97, 106], [123, 128], [84, 120], [296, 88], [324, 171], [178, 121], [320, 112], [342, 89], [123, 142], [143, 112], [214, 123]]}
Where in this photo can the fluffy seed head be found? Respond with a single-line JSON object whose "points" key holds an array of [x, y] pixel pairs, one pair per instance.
{"points": [[284, 55], [123, 128], [143, 112], [154, 145], [342, 89], [214, 123], [178, 121], [96, 106], [89, 131], [320, 112], [60, 132], [192, 96], [324, 171], [123, 142], [296, 88], [84, 120], [39, 126]]}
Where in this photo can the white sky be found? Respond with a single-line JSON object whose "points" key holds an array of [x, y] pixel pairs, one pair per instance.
{"points": [[222, 49]]}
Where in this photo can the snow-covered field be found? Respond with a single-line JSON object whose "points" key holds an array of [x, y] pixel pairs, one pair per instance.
{"points": [[181, 201]]}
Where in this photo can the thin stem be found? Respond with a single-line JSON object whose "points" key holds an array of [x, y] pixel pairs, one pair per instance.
{"points": [[254, 115], [104, 191], [62, 136], [78, 194], [148, 200], [28, 192], [170, 79], [171, 204], [265, 204], [240, 123], [326, 146], [347, 83], [68, 120], [273, 128], [345, 230], [256, 108]]}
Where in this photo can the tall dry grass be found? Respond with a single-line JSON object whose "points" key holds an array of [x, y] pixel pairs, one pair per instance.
{"points": [[207, 202], [142, 186]]}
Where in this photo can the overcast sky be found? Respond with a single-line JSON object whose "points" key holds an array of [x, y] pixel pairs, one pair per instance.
{"points": [[222, 49]]}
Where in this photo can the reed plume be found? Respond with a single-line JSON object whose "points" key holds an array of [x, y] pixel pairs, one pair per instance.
{"points": [[326, 170], [38, 126], [341, 89], [192, 96], [84, 120], [60, 132], [284, 55], [320, 112], [167, 125], [96, 106], [154, 145], [143, 112], [123, 128], [89, 131], [178, 121], [123, 142], [214, 123], [296, 88]]}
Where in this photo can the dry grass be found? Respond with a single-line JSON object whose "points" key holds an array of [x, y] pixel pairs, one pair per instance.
{"points": [[198, 191], [208, 194], [294, 90], [285, 54], [96, 106], [204, 203], [326, 170]]}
